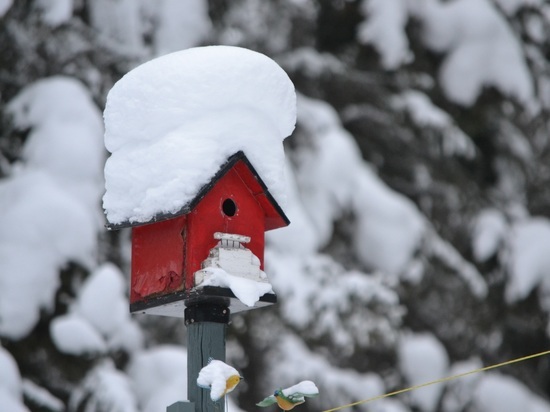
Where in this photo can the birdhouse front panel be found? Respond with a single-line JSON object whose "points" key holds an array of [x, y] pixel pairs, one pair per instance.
{"points": [[157, 258], [229, 207]]}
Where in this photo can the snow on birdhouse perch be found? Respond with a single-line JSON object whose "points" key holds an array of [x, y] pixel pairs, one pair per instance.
{"points": [[232, 265], [197, 171]]}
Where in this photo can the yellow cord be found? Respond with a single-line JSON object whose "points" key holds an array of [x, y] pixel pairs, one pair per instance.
{"points": [[448, 378]]}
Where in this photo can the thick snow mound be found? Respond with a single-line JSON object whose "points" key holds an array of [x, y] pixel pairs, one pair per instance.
{"points": [[55, 187], [529, 257], [59, 98], [9, 403], [496, 393], [482, 50], [489, 230], [304, 387], [10, 384], [384, 28], [334, 178], [248, 291], [422, 358], [71, 334], [33, 246], [172, 122], [10, 379], [102, 302], [153, 372]]}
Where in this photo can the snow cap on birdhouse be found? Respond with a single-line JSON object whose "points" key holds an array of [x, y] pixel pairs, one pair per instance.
{"points": [[197, 171]]}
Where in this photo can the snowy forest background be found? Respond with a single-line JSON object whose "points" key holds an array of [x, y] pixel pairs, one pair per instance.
{"points": [[419, 196]]}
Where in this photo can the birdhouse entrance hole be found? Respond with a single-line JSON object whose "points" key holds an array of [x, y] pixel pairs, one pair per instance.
{"points": [[229, 207]]}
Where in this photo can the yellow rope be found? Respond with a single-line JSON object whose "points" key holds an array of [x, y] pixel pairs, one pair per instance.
{"points": [[448, 378]]}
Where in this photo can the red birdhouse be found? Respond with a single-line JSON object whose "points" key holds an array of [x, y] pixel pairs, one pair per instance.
{"points": [[230, 214]]}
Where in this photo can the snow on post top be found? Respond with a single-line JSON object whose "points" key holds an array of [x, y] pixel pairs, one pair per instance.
{"points": [[173, 121]]}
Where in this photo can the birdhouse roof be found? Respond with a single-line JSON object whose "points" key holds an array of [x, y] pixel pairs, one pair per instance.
{"points": [[274, 214]]}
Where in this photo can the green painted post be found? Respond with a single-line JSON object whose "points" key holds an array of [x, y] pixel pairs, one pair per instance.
{"points": [[206, 327], [181, 407]]}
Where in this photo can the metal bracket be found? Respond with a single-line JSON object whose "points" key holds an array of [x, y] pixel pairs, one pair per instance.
{"points": [[207, 312]]}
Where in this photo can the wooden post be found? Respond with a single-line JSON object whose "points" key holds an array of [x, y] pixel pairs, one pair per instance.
{"points": [[206, 327]]}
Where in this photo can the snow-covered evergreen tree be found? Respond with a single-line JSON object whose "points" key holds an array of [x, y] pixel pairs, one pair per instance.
{"points": [[418, 189]]}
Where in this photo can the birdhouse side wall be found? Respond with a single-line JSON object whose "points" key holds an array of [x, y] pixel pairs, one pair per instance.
{"points": [[157, 258], [229, 207]]}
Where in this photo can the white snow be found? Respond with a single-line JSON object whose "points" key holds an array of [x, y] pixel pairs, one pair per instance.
{"points": [[56, 186], [339, 385], [517, 143], [10, 384], [497, 393], [458, 392], [489, 392], [214, 376], [422, 110], [334, 179], [300, 237], [59, 99], [447, 254], [74, 158], [317, 296], [384, 28], [529, 258], [55, 12], [102, 299], [425, 114], [422, 358], [390, 227], [33, 208], [536, 30], [5, 6], [159, 377], [42, 397], [299, 293], [489, 230], [73, 335], [388, 405], [128, 336], [173, 121], [510, 7], [99, 318], [481, 48], [9, 403], [312, 62], [104, 388], [246, 290], [177, 25], [118, 22], [305, 387], [65, 137], [10, 379]]}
